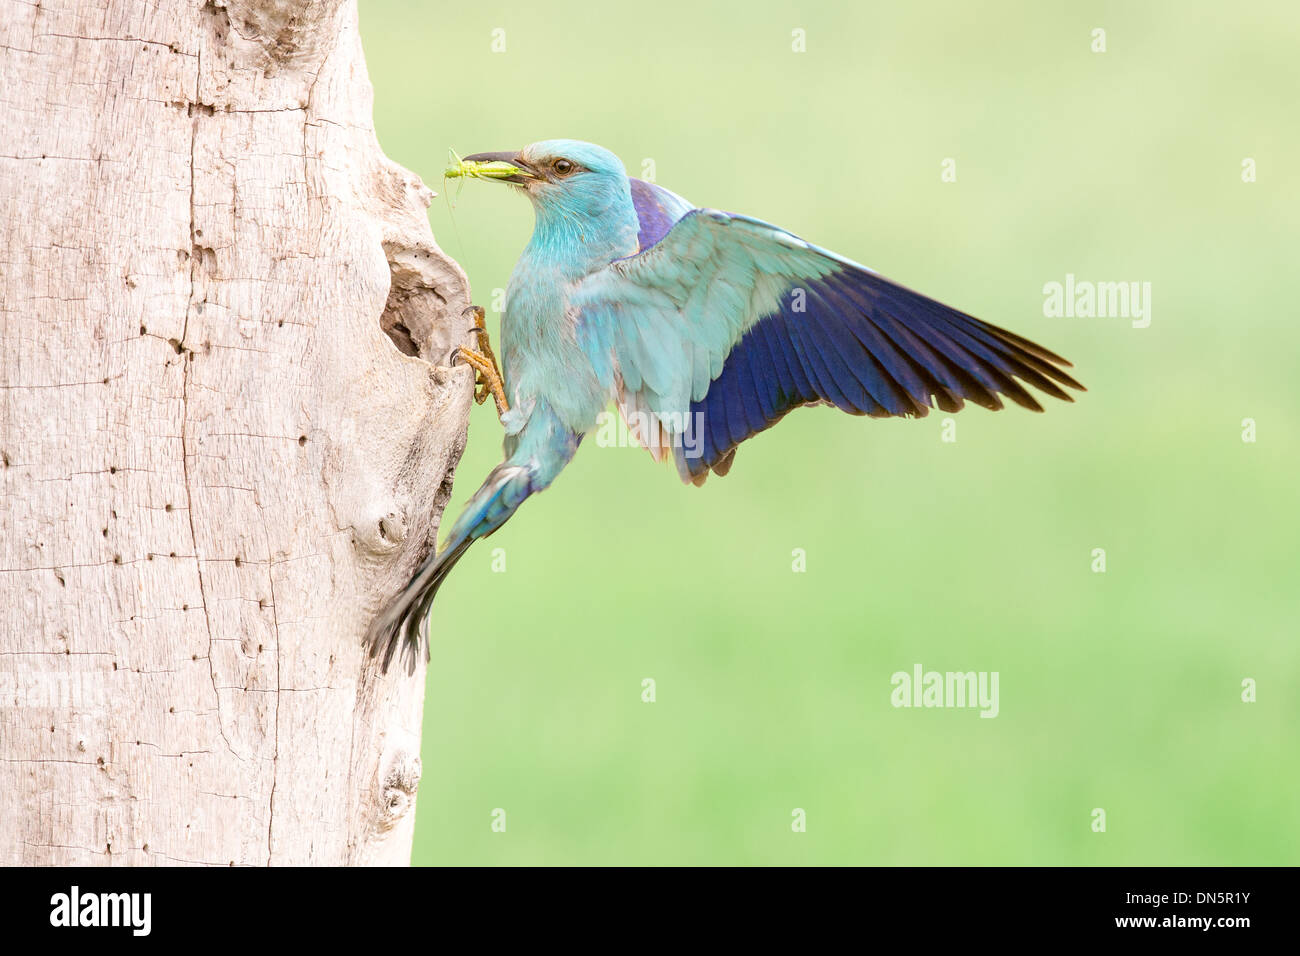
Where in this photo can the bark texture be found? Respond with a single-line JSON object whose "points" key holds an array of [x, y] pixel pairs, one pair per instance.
{"points": [[215, 465]]}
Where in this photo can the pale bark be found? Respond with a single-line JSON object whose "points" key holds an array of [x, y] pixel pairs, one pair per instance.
{"points": [[214, 463]]}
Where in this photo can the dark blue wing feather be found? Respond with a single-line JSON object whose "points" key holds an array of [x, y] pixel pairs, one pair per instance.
{"points": [[779, 323]]}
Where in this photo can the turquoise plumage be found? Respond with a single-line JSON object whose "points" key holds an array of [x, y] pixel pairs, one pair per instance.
{"points": [[704, 328]]}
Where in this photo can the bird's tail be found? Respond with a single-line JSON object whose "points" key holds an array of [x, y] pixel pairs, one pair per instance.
{"points": [[402, 623]]}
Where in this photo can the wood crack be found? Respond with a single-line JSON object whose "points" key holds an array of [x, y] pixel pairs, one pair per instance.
{"points": [[275, 756], [188, 360]]}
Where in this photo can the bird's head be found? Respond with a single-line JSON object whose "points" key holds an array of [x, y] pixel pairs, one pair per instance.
{"points": [[576, 188]]}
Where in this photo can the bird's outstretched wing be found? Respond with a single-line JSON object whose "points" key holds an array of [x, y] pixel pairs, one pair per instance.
{"points": [[727, 323]]}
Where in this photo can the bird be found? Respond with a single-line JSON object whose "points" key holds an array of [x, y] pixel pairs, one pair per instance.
{"points": [[703, 327]]}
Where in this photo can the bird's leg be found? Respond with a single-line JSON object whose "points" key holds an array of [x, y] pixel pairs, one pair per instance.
{"points": [[484, 363], [488, 379]]}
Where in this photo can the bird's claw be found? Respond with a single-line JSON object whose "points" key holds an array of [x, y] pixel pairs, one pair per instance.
{"points": [[487, 373]]}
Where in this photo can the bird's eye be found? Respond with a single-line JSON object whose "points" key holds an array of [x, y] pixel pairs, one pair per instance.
{"points": [[562, 167]]}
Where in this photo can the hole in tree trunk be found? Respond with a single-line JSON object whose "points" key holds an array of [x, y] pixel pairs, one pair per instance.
{"points": [[413, 317]]}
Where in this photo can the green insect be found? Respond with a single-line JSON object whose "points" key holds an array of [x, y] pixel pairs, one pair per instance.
{"points": [[467, 169]]}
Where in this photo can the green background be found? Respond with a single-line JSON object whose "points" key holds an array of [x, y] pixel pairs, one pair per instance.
{"points": [[1119, 690]]}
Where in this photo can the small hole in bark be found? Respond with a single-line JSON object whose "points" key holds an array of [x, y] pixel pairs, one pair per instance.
{"points": [[105, 381], [112, 469], [117, 559], [185, 607], [237, 561], [302, 440], [167, 508], [104, 532], [390, 528], [143, 330], [172, 555]]}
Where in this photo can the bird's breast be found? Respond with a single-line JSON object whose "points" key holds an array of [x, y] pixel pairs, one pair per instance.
{"points": [[542, 360]]}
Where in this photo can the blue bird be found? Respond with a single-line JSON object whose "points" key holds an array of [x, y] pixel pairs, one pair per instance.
{"points": [[704, 328]]}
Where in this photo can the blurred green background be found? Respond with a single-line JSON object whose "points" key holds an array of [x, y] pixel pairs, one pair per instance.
{"points": [[1119, 690]]}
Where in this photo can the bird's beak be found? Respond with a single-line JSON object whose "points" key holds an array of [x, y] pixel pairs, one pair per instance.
{"points": [[506, 167]]}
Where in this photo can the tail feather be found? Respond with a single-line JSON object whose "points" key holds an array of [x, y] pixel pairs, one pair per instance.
{"points": [[536, 456], [402, 623]]}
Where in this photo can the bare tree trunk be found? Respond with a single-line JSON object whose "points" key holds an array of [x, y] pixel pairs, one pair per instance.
{"points": [[214, 463]]}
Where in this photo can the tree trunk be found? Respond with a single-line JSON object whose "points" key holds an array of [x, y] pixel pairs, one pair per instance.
{"points": [[216, 466]]}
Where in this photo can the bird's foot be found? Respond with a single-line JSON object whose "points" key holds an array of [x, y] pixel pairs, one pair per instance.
{"points": [[487, 379], [484, 362]]}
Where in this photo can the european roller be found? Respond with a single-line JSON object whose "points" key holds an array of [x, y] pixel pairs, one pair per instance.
{"points": [[704, 328]]}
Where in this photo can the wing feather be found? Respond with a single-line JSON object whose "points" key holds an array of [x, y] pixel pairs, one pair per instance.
{"points": [[725, 324]]}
